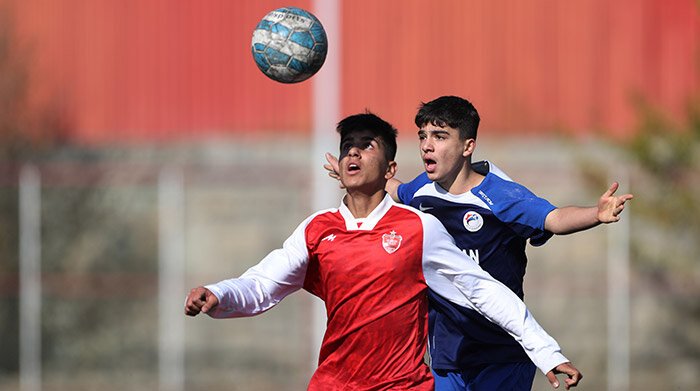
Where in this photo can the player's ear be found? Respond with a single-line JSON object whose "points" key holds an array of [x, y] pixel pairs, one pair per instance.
{"points": [[390, 170], [469, 146]]}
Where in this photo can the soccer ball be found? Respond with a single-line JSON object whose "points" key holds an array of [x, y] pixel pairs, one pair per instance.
{"points": [[289, 45]]}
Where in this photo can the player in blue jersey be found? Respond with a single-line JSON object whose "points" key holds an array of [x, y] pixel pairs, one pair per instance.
{"points": [[491, 219]]}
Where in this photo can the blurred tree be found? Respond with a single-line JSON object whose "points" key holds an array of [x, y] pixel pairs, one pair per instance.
{"points": [[665, 179], [665, 252]]}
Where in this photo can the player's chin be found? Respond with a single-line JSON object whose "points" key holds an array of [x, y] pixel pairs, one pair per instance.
{"points": [[432, 174]]}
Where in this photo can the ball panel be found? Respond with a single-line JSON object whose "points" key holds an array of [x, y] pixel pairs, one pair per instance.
{"points": [[261, 61], [263, 25], [318, 33], [303, 38], [280, 29], [276, 57], [261, 38], [297, 65], [291, 49]]}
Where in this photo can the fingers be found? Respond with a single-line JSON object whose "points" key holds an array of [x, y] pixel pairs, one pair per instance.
{"points": [[552, 379], [610, 206], [620, 203], [613, 188], [616, 212], [211, 302], [192, 305], [574, 376], [333, 161], [332, 166], [573, 381], [197, 299], [331, 173]]}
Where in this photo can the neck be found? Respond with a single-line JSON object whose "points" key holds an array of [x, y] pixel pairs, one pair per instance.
{"points": [[462, 181], [361, 204]]}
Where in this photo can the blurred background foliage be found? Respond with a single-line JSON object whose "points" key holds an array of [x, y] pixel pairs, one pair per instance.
{"points": [[663, 167], [666, 230]]}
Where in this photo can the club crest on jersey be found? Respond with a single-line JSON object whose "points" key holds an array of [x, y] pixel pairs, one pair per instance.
{"points": [[472, 221], [391, 242]]}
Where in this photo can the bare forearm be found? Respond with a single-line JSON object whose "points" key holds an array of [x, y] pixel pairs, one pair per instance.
{"points": [[392, 187], [571, 219]]}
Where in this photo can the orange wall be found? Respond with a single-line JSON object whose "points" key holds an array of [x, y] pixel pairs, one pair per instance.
{"points": [[526, 65], [143, 70]]}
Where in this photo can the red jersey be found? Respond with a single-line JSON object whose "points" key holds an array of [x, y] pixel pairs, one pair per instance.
{"points": [[371, 280]]}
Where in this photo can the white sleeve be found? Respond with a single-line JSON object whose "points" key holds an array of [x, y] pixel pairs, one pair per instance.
{"points": [[455, 276], [261, 287]]}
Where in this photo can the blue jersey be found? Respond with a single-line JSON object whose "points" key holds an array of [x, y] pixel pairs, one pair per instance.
{"points": [[491, 224]]}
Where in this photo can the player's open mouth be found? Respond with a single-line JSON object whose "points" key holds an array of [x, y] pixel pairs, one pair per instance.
{"points": [[429, 165], [352, 167]]}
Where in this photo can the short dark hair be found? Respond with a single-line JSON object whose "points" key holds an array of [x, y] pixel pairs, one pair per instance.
{"points": [[452, 111], [379, 128]]}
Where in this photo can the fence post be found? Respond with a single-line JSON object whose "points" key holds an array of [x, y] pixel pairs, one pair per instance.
{"points": [[619, 296], [326, 113], [29, 278], [171, 288]]}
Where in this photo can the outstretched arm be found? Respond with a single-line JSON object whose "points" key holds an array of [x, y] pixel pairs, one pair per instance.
{"points": [[570, 219], [392, 185], [260, 288]]}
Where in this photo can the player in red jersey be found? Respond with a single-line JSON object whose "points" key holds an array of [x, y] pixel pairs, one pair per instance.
{"points": [[371, 261]]}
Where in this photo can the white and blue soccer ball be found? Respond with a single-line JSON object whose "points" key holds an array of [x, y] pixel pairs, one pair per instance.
{"points": [[289, 45]]}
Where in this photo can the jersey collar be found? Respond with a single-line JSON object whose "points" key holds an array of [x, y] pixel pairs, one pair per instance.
{"points": [[367, 223]]}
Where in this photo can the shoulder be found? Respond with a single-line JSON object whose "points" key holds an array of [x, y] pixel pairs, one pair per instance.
{"points": [[496, 189], [323, 215], [320, 221], [406, 191], [488, 167], [512, 202], [427, 221]]}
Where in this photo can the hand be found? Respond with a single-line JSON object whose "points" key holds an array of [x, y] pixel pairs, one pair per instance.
{"points": [[199, 300], [567, 368], [610, 206], [332, 168]]}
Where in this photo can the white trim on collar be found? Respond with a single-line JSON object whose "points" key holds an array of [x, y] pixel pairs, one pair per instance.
{"points": [[366, 223]]}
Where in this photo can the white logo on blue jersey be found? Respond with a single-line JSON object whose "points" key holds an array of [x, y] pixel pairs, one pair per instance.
{"points": [[472, 221], [485, 197], [473, 254], [424, 208]]}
